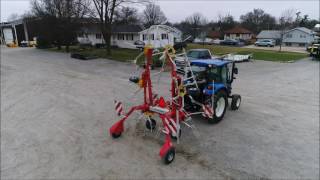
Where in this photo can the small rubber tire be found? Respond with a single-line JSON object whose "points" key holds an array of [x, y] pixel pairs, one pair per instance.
{"points": [[215, 119], [174, 137], [152, 125], [169, 156], [115, 136], [235, 101]]}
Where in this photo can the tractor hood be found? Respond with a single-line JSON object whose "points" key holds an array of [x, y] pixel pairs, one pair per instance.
{"points": [[209, 62]]}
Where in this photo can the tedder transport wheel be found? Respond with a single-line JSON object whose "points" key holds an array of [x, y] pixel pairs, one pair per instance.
{"points": [[235, 101], [169, 156], [115, 135], [151, 125], [220, 102]]}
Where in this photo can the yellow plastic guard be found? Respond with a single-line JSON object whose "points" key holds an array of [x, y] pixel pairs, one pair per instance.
{"points": [[146, 47]]}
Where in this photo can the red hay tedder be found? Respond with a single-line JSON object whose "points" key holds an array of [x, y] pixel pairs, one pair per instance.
{"points": [[170, 112]]}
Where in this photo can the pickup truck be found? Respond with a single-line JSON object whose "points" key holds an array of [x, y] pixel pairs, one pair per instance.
{"points": [[193, 54]]}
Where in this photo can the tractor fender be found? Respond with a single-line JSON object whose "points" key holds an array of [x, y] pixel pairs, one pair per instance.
{"points": [[217, 88]]}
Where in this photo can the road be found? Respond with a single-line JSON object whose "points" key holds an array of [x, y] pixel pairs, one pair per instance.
{"points": [[56, 111]]}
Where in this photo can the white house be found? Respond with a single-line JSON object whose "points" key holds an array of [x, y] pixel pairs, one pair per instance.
{"points": [[123, 36], [160, 35], [299, 36]]}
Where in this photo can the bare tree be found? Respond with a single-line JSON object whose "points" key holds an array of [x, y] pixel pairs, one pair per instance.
{"points": [[285, 22], [13, 16], [105, 10], [63, 18], [153, 15], [127, 15], [258, 20], [196, 21]]}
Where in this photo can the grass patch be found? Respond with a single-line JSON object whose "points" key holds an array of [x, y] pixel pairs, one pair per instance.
{"points": [[258, 54], [117, 54]]}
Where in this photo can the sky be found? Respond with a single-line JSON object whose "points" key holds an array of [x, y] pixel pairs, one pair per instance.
{"points": [[177, 10]]}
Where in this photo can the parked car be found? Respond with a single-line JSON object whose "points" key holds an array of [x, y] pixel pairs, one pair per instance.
{"points": [[139, 44], [231, 42], [216, 41], [265, 42]]}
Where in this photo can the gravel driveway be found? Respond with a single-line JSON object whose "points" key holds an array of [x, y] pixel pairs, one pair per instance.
{"points": [[55, 113]]}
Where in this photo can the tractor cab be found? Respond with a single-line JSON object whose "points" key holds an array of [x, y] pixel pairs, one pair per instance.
{"points": [[211, 85], [220, 72]]}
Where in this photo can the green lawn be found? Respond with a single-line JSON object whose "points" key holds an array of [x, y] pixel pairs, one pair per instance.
{"points": [[116, 53], [129, 54], [258, 54]]}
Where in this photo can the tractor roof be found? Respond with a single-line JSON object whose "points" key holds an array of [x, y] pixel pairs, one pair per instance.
{"points": [[208, 62]]}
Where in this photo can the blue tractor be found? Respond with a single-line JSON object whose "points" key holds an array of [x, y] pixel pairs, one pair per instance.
{"points": [[213, 78]]}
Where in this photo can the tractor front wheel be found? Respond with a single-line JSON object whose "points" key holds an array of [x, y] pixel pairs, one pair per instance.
{"points": [[220, 105], [235, 101]]}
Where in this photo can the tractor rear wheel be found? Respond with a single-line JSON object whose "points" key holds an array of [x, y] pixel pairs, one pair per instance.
{"points": [[235, 101], [220, 104]]}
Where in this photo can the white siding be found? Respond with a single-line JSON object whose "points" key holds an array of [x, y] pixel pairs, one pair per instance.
{"points": [[159, 37], [127, 42], [296, 37]]}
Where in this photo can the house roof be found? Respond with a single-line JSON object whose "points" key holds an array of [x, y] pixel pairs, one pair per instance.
{"points": [[165, 27], [94, 28], [214, 34], [269, 34], [127, 28], [238, 30], [303, 29]]}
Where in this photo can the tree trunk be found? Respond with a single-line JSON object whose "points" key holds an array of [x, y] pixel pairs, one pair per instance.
{"points": [[108, 38], [67, 48], [280, 47]]}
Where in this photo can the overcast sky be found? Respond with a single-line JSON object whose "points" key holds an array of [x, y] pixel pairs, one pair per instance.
{"points": [[177, 10]]}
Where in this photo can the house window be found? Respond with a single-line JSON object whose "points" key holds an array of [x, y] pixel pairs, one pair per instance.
{"points": [[120, 36], [238, 35], [129, 37], [152, 36], [164, 36], [288, 44], [98, 36], [144, 37], [302, 44], [289, 35], [302, 36]]}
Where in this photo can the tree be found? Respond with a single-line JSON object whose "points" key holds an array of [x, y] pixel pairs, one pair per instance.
{"points": [[127, 15], [258, 20], [225, 22], [13, 16], [105, 11], [285, 23], [196, 22], [153, 15], [60, 19]]}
